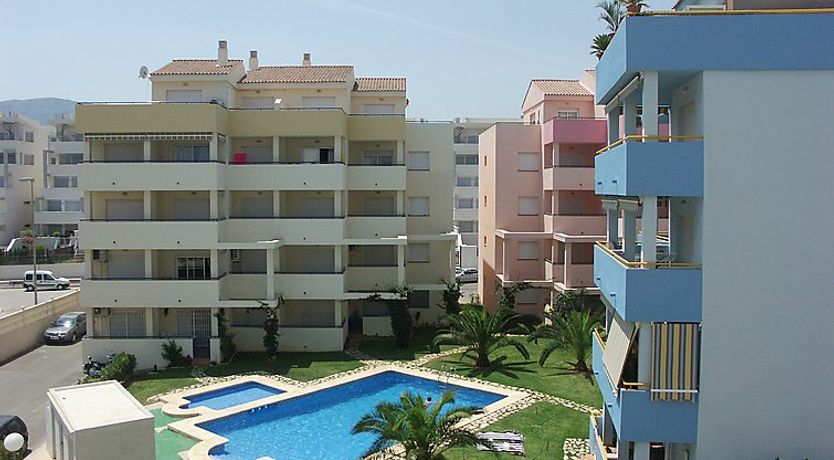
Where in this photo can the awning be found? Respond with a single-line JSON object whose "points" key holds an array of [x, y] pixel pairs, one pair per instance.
{"points": [[148, 136], [616, 350], [675, 348]]}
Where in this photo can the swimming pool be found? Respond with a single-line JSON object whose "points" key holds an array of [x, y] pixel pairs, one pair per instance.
{"points": [[231, 396], [317, 425]]}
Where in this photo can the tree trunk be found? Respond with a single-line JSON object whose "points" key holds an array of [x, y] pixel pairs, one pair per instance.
{"points": [[582, 366], [482, 362]]}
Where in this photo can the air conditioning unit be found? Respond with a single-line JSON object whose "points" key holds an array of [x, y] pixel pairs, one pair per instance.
{"points": [[100, 255], [234, 255]]}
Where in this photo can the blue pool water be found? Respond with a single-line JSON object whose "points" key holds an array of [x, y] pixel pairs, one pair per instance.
{"points": [[232, 396], [317, 426]]}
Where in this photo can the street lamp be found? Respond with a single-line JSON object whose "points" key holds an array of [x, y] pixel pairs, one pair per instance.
{"points": [[31, 181], [13, 442]]}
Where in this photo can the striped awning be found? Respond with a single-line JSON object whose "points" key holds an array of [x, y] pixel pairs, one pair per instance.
{"points": [[675, 348], [620, 335]]}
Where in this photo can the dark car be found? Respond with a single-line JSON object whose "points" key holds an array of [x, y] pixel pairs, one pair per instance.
{"points": [[10, 424]]}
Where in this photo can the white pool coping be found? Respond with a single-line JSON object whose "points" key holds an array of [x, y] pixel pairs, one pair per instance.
{"points": [[208, 440]]}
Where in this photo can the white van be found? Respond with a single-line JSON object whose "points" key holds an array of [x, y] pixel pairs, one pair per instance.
{"points": [[46, 280]]}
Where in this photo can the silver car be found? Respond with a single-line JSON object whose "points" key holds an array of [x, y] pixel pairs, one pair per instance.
{"points": [[69, 327], [466, 275]]}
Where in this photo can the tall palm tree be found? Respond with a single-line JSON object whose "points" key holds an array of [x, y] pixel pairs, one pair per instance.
{"points": [[612, 14], [424, 430], [600, 44], [570, 332], [482, 333]]}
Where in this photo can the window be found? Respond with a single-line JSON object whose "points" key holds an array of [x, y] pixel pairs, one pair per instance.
{"points": [[485, 242], [11, 158], [418, 299], [191, 153], [466, 203], [528, 250], [528, 162], [65, 181], [172, 95], [29, 159], [466, 159], [569, 114], [72, 205], [258, 102], [418, 252], [30, 136], [318, 102], [70, 158], [472, 139], [53, 205], [528, 206], [527, 296], [378, 158], [468, 226], [418, 161], [193, 268], [127, 323], [485, 160], [418, 206], [467, 181], [379, 109]]}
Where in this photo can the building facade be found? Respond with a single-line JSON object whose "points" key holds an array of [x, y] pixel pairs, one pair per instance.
{"points": [[239, 187], [23, 142], [60, 203], [539, 215], [707, 325]]}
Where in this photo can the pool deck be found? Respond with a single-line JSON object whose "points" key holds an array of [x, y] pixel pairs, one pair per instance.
{"points": [[208, 440]]}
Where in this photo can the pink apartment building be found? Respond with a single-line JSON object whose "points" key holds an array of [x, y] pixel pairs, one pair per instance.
{"points": [[539, 216]]}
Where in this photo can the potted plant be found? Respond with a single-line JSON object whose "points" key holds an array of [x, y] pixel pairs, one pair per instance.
{"points": [[634, 6]]}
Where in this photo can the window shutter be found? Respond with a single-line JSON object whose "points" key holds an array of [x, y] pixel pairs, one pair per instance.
{"points": [[528, 162]]}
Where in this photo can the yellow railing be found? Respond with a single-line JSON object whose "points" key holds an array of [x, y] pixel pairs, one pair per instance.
{"points": [[636, 138], [629, 264]]}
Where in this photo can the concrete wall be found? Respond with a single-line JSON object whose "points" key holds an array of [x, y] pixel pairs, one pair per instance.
{"points": [[766, 356], [148, 352], [68, 270], [23, 330]]}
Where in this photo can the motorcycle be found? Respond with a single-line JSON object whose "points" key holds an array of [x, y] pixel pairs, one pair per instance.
{"points": [[93, 368]]}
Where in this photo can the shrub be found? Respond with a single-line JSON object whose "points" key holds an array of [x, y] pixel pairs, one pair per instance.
{"points": [[172, 353], [506, 295], [121, 368], [227, 344], [271, 328], [451, 297]]}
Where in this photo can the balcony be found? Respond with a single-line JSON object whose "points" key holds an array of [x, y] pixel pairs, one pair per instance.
{"points": [[371, 279], [150, 292], [288, 122], [373, 227], [568, 178], [58, 217], [376, 127], [644, 292], [150, 175], [150, 117], [286, 176], [598, 447], [361, 177], [320, 286], [636, 417], [575, 131], [591, 224], [632, 167], [144, 234], [290, 230]]}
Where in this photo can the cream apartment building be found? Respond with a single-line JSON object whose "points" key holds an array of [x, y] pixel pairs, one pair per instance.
{"points": [[22, 145], [241, 185], [60, 203]]}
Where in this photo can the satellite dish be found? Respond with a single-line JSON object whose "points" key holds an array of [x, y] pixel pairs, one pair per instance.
{"points": [[143, 72]]}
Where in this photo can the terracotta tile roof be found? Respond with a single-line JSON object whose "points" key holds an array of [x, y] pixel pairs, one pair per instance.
{"points": [[379, 84], [562, 88], [197, 67], [299, 74]]}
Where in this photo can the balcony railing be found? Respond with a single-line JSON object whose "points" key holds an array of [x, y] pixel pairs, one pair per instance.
{"points": [[669, 261], [637, 138]]}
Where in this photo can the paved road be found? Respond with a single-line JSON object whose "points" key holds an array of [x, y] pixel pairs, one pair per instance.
{"points": [[24, 381], [13, 299]]}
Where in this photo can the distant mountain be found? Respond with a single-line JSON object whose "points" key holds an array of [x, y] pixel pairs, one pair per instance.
{"points": [[41, 109]]}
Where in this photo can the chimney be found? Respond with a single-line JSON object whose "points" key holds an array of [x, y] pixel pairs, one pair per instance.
{"points": [[253, 60], [306, 61], [222, 53]]}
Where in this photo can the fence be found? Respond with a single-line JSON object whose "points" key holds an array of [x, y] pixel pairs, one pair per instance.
{"points": [[23, 330], [44, 257]]}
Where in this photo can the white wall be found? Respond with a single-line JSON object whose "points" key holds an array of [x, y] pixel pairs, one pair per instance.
{"points": [[67, 270], [766, 360]]}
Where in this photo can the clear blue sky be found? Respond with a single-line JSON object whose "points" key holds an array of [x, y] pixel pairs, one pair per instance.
{"points": [[461, 57]]}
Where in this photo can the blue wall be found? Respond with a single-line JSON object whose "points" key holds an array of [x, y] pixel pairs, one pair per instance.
{"points": [[651, 168], [715, 42]]}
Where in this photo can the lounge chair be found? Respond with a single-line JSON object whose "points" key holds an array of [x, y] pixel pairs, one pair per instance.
{"points": [[511, 436], [515, 448]]}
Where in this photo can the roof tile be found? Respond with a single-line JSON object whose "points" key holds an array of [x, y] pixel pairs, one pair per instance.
{"points": [[197, 67], [385, 84], [299, 74], [562, 88]]}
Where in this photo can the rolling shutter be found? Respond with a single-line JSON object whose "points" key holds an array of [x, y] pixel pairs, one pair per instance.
{"points": [[675, 349]]}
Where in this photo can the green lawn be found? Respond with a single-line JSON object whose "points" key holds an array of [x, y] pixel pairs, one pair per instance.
{"points": [[298, 366], [169, 443], [545, 427], [554, 378], [384, 347]]}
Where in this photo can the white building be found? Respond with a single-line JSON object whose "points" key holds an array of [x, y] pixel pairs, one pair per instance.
{"points": [[59, 206]]}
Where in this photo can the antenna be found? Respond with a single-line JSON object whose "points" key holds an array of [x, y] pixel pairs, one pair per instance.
{"points": [[143, 72]]}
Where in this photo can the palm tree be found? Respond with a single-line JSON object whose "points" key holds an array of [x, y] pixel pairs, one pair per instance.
{"points": [[612, 14], [570, 332], [424, 430], [482, 333], [600, 44]]}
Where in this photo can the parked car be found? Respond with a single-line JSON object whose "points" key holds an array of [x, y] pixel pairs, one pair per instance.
{"points": [[46, 280], [11, 424], [466, 275], [69, 327]]}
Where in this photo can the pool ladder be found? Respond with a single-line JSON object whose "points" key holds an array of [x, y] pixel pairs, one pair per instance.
{"points": [[444, 372]]}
